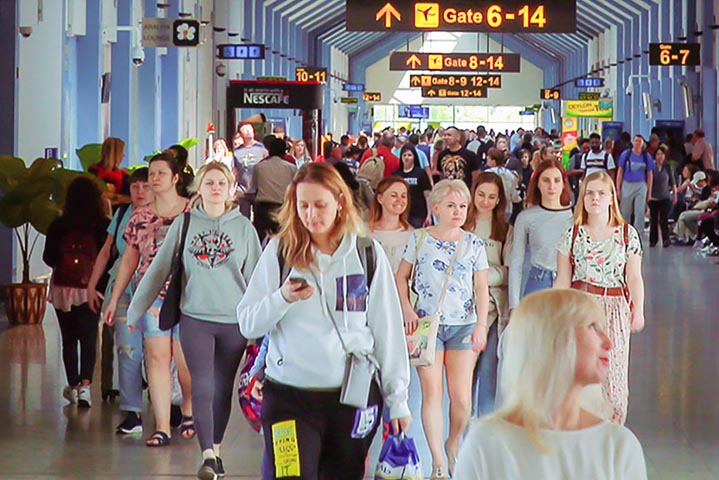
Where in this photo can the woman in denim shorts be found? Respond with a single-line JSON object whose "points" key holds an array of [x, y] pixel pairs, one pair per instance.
{"points": [[463, 314]]}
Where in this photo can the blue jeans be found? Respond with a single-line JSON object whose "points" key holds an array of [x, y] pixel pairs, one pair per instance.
{"points": [[129, 359], [484, 384], [539, 279]]}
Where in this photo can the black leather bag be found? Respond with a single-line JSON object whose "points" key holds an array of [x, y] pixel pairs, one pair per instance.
{"points": [[170, 310]]}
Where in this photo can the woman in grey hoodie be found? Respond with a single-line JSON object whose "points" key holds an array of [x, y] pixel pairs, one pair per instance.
{"points": [[220, 254]]}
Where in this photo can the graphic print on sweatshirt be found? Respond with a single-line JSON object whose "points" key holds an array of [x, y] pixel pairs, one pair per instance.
{"points": [[356, 293], [211, 248]]}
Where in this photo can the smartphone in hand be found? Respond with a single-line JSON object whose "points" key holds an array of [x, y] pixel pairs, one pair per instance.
{"points": [[299, 281]]}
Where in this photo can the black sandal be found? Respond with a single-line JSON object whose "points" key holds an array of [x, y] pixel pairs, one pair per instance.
{"points": [[187, 428], [158, 439]]}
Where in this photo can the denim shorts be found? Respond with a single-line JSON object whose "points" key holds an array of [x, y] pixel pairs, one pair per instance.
{"points": [[539, 279], [455, 337], [150, 323]]}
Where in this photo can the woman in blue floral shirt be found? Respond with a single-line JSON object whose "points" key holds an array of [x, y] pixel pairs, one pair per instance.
{"points": [[463, 314]]}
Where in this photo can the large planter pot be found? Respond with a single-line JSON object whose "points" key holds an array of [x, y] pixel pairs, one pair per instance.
{"points": [[25, 303]]}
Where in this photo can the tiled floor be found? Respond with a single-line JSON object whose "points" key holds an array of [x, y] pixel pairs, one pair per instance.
{"points": [[674, 402]]}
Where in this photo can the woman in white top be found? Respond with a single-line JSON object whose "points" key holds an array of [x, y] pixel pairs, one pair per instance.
{"points": [[388, 222], [313, 296], [556, 347], [442, 250], [487, 220]]}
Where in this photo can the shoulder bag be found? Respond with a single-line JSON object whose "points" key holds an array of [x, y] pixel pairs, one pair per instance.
{"points": [[170, 311], [422, 343]]}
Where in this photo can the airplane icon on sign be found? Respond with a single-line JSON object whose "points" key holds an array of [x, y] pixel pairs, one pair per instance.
{"points": [[426, 15]]}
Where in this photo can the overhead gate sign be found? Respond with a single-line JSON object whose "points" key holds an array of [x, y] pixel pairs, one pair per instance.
{"points": [[508, 16]]}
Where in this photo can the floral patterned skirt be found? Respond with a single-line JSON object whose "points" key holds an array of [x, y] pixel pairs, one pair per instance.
{"points": [[615, 388]]}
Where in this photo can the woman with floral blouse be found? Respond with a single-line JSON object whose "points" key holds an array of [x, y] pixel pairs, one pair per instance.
{"points": [[601, 254]]}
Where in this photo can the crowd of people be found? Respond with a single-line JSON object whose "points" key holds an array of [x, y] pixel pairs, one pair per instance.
{"points": [[530, 271]]}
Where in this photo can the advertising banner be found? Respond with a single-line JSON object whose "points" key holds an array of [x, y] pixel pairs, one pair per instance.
{"points": [[589, 108]]}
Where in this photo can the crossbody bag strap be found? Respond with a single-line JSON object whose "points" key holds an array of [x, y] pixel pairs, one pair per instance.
{"points": [[421, 234], [575, 232], [185, 227], [328, 312], [448, 275]]}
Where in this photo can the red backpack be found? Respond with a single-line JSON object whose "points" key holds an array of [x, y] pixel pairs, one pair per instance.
{"points": [[78, 251]]}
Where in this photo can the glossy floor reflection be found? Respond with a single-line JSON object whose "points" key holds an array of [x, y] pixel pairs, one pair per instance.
{"points": [[674, 400]]}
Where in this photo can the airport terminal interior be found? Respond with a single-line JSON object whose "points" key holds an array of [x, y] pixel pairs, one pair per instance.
{"points": [[342, 77]]}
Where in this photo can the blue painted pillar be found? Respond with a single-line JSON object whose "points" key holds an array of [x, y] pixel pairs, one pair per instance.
{"points": [[620, 105], [146, 96], [89, 66], [121, 89], [169, 86], [324, 60], [643, 61], [709, 75], [677, 72], [659, 88], [692, 76]]}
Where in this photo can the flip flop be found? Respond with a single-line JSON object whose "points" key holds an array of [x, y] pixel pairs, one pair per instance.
{"points": [[187, 428], [158, 439]]}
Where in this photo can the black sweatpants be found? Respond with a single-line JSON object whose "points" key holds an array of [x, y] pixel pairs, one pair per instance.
{"points": [[78, 327], [213, 352], [659, 219], [319, 433], [707, 228]]}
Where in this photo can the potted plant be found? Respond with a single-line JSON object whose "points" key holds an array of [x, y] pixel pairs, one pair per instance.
{"points": [[30, 197]]}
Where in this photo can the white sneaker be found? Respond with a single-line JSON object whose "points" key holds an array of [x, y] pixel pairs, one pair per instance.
{"points": [[83, 397], [70, 394]]}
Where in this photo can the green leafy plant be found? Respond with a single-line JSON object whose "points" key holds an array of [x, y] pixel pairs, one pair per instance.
{"points": [[31, 196]]}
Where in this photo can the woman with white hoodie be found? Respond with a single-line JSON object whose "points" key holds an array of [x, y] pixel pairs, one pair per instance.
{"points": [[314, 298], [220, 253]]}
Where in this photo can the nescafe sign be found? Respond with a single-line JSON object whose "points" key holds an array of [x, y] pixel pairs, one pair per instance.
{"points": [[266, 96], [249, 93]]}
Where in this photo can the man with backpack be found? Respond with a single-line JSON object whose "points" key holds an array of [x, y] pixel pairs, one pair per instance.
{"points": [[597, 159], [635, 178], [382, 155]]}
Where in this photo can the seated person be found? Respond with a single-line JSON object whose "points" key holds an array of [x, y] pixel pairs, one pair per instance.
{"points": [[556, 347], [686, 227]]}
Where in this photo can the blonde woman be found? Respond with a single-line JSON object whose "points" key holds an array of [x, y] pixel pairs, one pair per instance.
{"points": [[446, 254], [299, 152], [325, 309], [557, 346], [220, 252], [601, 254], [388, 222], [486, 219]]}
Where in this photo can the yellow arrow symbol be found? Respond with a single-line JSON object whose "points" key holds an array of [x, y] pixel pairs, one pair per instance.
{"points": [[415, 81], [388, 11], [413, 61], [431, 93]]}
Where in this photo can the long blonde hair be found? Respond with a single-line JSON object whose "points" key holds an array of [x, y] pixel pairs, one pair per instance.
{"points": [[615, 214], [295, 240], [208, 167], [541, 357], [111, 152]]}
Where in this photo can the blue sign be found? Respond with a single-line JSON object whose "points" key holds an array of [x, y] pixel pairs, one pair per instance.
{"points": [[247, 51], [413, 111], [612, 130], [353, 87], [589, 82], [526, 112]]}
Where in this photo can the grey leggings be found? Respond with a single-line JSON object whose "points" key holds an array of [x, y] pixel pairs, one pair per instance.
{"points": [[213, 352]]}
